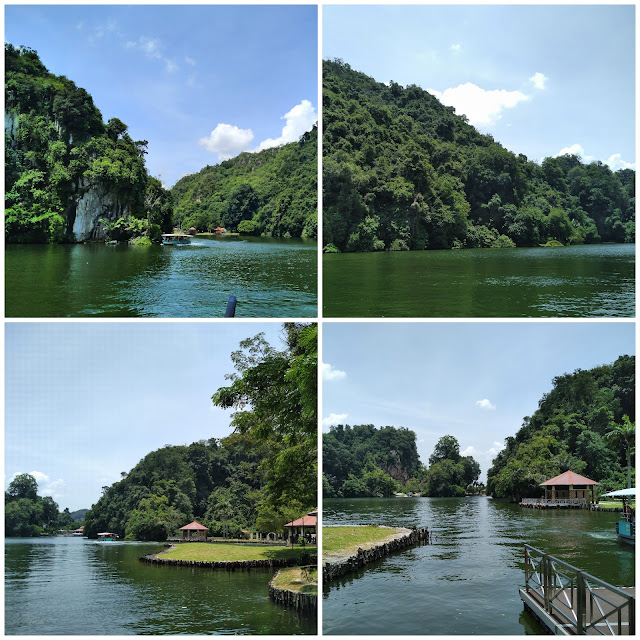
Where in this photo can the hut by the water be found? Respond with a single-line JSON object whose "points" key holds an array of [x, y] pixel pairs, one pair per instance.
{"points": [[305, 526], [569, 489], [194, 531]]}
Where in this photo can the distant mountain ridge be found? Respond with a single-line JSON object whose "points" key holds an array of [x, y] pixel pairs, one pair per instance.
{"points": [[403, 171]]}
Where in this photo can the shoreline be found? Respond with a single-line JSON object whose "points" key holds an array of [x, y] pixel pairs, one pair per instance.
{"points": [[337, 565]]}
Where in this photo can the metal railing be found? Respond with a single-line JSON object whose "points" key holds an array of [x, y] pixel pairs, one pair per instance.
{"points": [[579, 600]]}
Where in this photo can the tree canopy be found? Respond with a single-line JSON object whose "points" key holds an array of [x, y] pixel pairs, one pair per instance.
{"points": [[362, 461], [27, 514], [402, 171], [586, 424]]}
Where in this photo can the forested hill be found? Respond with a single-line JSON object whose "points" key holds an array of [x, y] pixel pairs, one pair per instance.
{"points": [[69, 176], [402, 171], [216, 482], [586, 424], [363, 461], [273, 192], [259, 478]]}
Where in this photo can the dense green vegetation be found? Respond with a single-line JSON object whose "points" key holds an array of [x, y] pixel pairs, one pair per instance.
{"points": [[402, 171], [273, 192], [27, 514], [258, 478], [58, 149], [363, 461], [586, 424]]}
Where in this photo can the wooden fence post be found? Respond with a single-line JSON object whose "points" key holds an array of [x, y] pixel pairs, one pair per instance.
{"points": [[581, 611]]}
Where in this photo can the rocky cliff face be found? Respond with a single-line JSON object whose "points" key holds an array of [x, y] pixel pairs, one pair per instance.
{"points": [[11, 125], [89, 203], [92, 202], [395, 468]]}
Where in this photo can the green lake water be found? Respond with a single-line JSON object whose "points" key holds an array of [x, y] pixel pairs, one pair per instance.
{"points": [[577, 281], [270, 277], [74, 586], [466, 581]]}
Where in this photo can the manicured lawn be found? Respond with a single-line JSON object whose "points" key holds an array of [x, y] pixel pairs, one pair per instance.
{"points": [[303, 579], [611, 504], [346, 540], [220, 552]]}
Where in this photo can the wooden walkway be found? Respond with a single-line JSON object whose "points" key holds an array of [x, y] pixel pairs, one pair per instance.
{"points": [[556, 621], [569, 601]]}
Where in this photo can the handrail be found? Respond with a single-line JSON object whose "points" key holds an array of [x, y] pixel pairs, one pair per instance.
{"points": [[558, 583]]}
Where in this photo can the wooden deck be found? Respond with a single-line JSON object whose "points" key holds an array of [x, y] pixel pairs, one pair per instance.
{"points": [[565, 605]]}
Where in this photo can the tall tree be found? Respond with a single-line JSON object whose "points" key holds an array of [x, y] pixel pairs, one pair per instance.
{"points": [[625, 433], [274, 397]]}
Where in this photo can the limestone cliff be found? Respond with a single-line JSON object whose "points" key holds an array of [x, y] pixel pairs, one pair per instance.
{"points": [[92, 202]]}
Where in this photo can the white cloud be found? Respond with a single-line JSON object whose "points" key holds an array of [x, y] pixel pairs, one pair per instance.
{"points": [[150, 46], [538, 80], [456, 48], [46, 486], [298, 121], [481, 106], [334, 419], [329, 373], [190, 61], [227, 140], [485, 404], [614, 161], [152, 49], [485, 458], [575, 150]]}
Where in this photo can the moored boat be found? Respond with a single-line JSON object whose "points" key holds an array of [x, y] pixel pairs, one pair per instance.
{"points": [[176, 239], [626, 526], [108, 537]]}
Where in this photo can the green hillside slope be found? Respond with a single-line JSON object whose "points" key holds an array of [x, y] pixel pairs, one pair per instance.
{"points": [[273, 192], [402, 171]]}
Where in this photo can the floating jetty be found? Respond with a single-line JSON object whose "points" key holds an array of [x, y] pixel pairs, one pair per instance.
{"points": [[558, 503], [404, 539], [568, 601]]}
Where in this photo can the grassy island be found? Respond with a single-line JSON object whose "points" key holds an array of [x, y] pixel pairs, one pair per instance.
{"points": [[302, 579], [345, 541], [220, 552]]}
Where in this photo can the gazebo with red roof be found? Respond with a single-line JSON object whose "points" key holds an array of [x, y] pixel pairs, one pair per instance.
{"points": [[308, 522], [194, 531], [570, 485]]}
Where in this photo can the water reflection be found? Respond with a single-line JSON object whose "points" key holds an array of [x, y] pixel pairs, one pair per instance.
{"points": [[271, 277], [72, 586]]}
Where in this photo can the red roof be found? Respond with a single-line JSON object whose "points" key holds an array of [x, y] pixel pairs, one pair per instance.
{"points": [[305, 521], [568, 478], [194, 526]]}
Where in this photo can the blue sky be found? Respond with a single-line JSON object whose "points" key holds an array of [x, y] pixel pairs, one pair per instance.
{"points": [[541, 79], [474, 381], [175, 74], [85, 401]]}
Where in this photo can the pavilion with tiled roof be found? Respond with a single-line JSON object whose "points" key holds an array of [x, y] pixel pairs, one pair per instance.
{"points": [[194, 531], [570, 486], [306, 524]]}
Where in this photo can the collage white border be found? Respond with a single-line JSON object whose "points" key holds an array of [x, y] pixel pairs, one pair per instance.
{"points": [[319, 318]]}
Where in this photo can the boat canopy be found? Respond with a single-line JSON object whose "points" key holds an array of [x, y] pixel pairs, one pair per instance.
{"points": [[620, 493]]}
